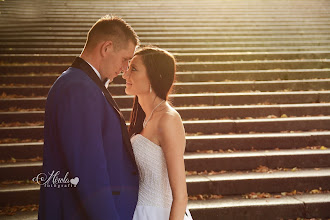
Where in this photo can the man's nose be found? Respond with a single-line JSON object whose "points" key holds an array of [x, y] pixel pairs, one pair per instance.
{"points": [[125, 74], [125, 66]]}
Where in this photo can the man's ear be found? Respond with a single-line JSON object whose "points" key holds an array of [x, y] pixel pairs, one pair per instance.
{"points": [[106, 47]]}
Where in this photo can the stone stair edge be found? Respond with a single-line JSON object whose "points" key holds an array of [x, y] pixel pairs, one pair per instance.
{"points": [[261, 153], [274, 134], [301, 173], [202, 155], [197, 83], [232, 205], [186, 63], [302, 105], [172, 44], [216, 121], [201, 95], [190, 54], [206, 72], [198, 178], [223, 136], [231, 136]]}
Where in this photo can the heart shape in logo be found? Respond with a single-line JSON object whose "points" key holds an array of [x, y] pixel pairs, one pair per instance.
{"points": [[74, 181]]}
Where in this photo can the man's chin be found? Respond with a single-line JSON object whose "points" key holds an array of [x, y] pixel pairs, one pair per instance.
{"points": [[115, 75]]}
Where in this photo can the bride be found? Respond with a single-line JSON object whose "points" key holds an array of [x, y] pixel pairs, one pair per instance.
{"points": [[157, 136]]}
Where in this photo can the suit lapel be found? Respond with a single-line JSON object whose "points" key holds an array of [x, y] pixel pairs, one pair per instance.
{"points": [[85, 67]]}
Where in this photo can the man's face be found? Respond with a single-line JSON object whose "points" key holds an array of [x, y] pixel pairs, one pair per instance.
{"points": [[116, 61]]}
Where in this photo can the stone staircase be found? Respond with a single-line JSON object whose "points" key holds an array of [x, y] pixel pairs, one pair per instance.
{"points": [[253, 89]]}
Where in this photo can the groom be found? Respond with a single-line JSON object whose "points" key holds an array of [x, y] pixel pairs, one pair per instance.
{"points": [[85, 136]]}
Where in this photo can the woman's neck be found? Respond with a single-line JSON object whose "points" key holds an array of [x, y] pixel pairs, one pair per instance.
{"points": [[148, 103]]}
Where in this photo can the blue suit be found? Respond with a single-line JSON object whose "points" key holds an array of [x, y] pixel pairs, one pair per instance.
{"points": [[85, 135]]}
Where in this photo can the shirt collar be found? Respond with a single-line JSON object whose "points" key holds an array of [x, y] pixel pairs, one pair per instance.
{"points": [[106, 82]]}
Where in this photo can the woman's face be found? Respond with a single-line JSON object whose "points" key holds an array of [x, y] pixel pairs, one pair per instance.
{"points": [[137, 82]]}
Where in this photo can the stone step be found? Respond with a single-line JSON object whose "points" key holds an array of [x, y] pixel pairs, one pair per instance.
{"points": [[27, 132], [87, 22], [223, 184], [193, 57], [36, 79], [209, 8], [19, 170], [264, 48], [187, 66], [37, 31], [254, 111], [19, 195], [208, 5], [11, 19], [225, 44], [199, 162], [210, 99], [156, 14], [180, 57], [254, 75], [257, 141], [153, 39], [177, 45], [227, 87], [21, 150], [196, 87], [237, 207], [241, 142], [203, 112], [74, 28], [147, 7], [102, 6], [287, 207], [218, 19], [253, 65], [250, 160], [241, 183], [257, 125], [21, 215], [207, 127], [190, 76]]}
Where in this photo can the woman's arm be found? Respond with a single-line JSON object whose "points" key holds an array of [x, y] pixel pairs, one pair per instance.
{"points": [[172, 140]]}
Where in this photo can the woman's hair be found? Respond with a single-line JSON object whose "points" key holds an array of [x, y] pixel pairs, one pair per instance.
{"points": [[161, 67]]}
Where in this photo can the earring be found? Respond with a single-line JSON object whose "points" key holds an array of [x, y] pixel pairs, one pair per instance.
{"points": [[150, 88]]}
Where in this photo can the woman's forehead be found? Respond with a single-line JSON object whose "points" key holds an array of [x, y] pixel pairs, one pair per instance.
{"points": [[136, 59]]}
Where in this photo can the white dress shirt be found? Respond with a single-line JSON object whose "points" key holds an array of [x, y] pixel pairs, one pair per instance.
{"points": [[106, 84]]}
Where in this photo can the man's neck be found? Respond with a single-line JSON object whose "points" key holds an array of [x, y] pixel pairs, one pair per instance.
{"points": [[92, 64]]}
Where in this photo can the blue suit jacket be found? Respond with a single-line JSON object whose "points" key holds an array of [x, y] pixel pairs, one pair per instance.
{"points": [[85, 135]]}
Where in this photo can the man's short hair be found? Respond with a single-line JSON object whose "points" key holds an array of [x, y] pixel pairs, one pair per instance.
{"points": [[111, 28]]}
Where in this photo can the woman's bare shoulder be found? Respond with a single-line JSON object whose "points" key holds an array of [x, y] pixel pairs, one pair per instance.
{"points": [[170, 126], [170, 118]]}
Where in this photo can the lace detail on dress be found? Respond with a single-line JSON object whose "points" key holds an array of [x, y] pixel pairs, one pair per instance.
{"points": [[154, 186]]}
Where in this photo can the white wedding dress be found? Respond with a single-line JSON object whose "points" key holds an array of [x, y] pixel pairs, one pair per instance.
{"points": [[155, 195]]}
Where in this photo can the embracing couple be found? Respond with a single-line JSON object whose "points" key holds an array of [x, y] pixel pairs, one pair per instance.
{"points": [[123, 174]]}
